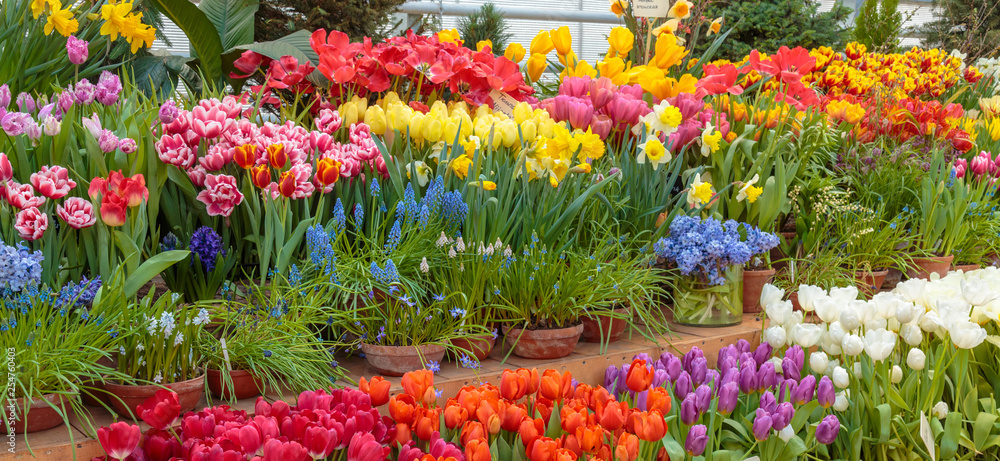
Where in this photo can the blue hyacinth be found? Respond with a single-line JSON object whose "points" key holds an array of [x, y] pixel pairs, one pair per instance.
{"points": [[709, 247], [394, 236], [359, 217], [19, 267], [207, 244]]}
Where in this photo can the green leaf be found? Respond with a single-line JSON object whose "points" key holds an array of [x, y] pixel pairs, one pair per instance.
{"points": [[884, 418], [233, 19], [294, 44], [674, 449], [201, 33], [952, 431], [982, 429], [151, 268]]}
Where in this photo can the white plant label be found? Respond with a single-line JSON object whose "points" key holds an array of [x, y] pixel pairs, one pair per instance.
{"points": [[927, 435], [225, 353], [503, 102], [650, 8]]}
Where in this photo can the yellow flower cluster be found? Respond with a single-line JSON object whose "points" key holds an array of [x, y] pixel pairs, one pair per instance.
{"points": [[59, 19], [120, 20]]}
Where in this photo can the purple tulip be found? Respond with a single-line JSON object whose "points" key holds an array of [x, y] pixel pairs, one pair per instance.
{"points": [[782, 416], [825, 392], [698, 370], [827, 430], [689, 410], [790, 370], [658, 365], [65, 102], [747, 357], [767, 402], [763, 353], [731, 376], [45, 111], [696, 441], [108, 88], [726, 363], [694, 353], [729, 395], [762, 425], [797, 355], [660, 377], [683, 386], [640, 400], [4, 96], [726, 352], [767, 378], [743, 346], [786, 389], [77, 50], [748, 379], [84, 92], [806, 390], [674, 367], [168, 112], [712, 378], [703, 397], [25, 103], [611, 380]]}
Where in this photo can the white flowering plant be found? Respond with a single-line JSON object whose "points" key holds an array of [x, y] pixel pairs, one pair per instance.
{"points": [[916, 368], [160, 340], [472, 272]]}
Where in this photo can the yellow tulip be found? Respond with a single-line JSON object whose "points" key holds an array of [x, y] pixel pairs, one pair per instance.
{"points": [[449, 131], [568, 59], [536, 65], [994, 129], [541, 44], [546, 128], [483, 111], [398, 117], [483, 44], [580, 69], [450, 36], [507, 129], [562, 40], [522, 112], [514, 52], [362, 103], [655, 82], [668, 52], [374, 118], [439, 108], [528, 130], [613, 68], [349, 112], [432, 129], [416, 126], [621, 40]]}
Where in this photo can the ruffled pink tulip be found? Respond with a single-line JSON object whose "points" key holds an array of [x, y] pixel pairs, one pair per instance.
{"points": [[77, 213], [22, 196], [174, 150], [329, 121], [53, 182], [31, 223], [210, 123], [221, 194]]}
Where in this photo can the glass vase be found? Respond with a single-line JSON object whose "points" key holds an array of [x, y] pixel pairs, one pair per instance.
{"points": [[700, 304]]}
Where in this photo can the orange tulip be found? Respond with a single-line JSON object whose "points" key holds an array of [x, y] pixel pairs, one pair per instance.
{"points": [[513, 386], [599, 399], [486, 409], [286, 186], [627, 448], [403, 433], [471, 431], [542, 449], [327, 171], [377, 389], [544, 408], [563, 454], [583, 392], [469, 397], [591, 438], [639, 377], [650, 426], [276, 156], [570, 443], [261, 176], [493, 424], [530, 429], [455, 416], [427, 424], [403, 408], [511, 416], [613, 416], [420, 385], [571, 419], [551, 385], [531, 378], [245, 155], [658, 399], [477, 450]]}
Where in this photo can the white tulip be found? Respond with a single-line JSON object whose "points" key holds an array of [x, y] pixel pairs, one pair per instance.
{"points": [[849, 318], [879, 344], [778, 312], [776, 361], [818, 362], [911, 334], [52, 126], [897, 374], [977, 291], [807, 334], [916, 359], [911, 290], [775, 336], [841, 404], [886, 305], [852, 345], [857, 370], [830, 346], [840, 378], [808, 295], [844, 295], [966, 335], [876, 323], [771, 294], [795, 319], [864, 309], [905, 312], [931, 322], [837, 332], [786, 434], [827, 309], [940, 410]]}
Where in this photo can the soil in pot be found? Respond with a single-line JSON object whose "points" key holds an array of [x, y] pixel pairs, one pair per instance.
{"points": [[870, 282], [543, 344], [125, 397], [601, 328], [480, 346], [245, 384], [397, 360], [753, 284], [40, 415], [924, 267]]}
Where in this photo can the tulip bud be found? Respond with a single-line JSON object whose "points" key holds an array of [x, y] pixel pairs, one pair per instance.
{"points": [[916, 359], [840, 378], [841, 403], [897, 374], [940, 410]]}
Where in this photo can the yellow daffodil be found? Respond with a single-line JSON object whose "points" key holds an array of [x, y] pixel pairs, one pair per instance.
{"points": [[142, 36], [450, 36], [664, 117], [680, 10], [654, 152], [587, 145], [716, 26], [536, 65], [621, 41], [514, 52], [436, 150], [486, 185], [483, 44], [583, 168], [38, 7], [668, 27], [541, 44], [699, 193], [749, 192], [562, 40], [61, 20], [423, 172], [115, 19], [618, 7], [461, 165]]}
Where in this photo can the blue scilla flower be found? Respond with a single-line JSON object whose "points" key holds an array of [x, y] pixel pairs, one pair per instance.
{"points": [[339, 219], [438, 297], [267, 354], [433, 366], [207, 244]]}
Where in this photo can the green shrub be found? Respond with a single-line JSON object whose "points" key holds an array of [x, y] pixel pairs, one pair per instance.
{"points": [[487, 23], [970, 26], [356, 18], [878, 25]]}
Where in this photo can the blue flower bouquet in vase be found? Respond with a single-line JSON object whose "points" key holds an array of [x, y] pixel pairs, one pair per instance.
{"points": [[709, 255]]}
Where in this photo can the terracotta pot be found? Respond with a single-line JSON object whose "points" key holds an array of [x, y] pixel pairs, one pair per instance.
{"points": [[892, 278], [543, 344], [245, 384], [125, 397], [794, 299], [753, 284], [927, 266], [605, 327], [397, 360], [480, 346], [777, 254], [40, 415], [966, 267], [870, 282]]}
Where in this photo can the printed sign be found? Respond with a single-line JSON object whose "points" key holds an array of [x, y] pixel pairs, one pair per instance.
{"points": [[650, 8], [503, 102]]}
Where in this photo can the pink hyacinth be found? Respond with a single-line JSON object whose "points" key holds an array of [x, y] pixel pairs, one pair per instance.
{"points": [[52, 182], [77, 213], [221, 195], [31, 223], [174, 150]]}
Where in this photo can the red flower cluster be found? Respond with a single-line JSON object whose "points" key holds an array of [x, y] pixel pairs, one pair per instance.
{"points": [[118, 194]]}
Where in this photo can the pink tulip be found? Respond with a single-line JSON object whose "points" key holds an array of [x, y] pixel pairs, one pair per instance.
{"points": [[197, 175], [601, 125], [77, 213], [174, 150], [31, 223], [215, 158], [180, 122], [329, 121], [221, 195], [602, 91], [210, 123], [22, 196], [960, 166], [53, 182], [6, 170], [127, 145], [980, 164], [575, 86], [580, 113]]}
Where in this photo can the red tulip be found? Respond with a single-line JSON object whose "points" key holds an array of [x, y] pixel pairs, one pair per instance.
{"points": [[261, 176], [160, 410], [327, 171], [276, 156], [639, 377], [119, 439], [319, 442], [286, 186], [161, 445], [246, 156], [364, 447], [276, 450], [113, 209]]}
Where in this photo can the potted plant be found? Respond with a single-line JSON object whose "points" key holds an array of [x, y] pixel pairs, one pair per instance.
{"points": [[205, 269], [271, 339], [709, 255], [870, 242], [941, 209], [980, 243], [159, 349]]}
